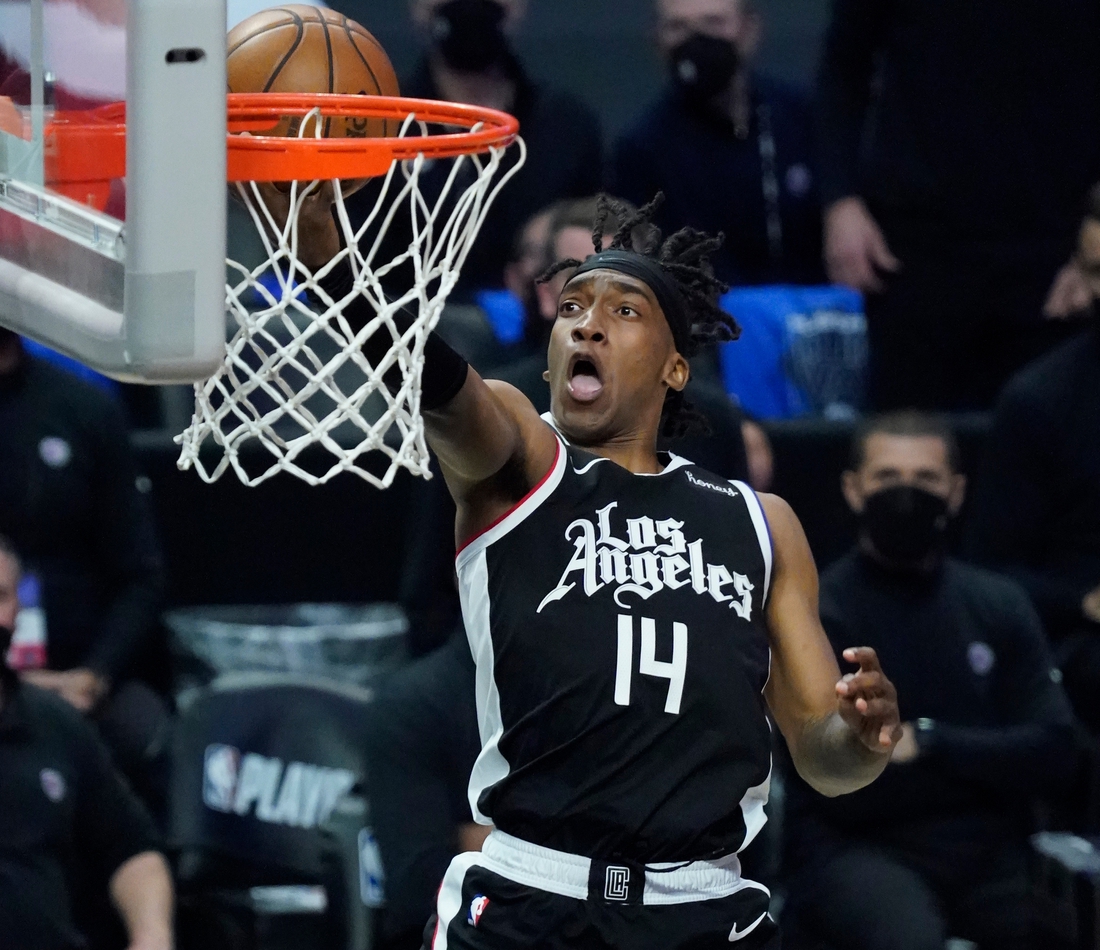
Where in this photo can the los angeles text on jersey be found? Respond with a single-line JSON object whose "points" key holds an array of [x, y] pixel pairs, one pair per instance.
{"points": [[649, 557]]}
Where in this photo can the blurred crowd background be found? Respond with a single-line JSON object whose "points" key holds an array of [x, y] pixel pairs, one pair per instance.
{"points": [[243, 717]]}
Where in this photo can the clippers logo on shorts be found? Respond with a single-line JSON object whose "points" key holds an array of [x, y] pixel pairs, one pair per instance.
{"points": [[297, 794], [477, 908], [616, 884], [654, 556]]}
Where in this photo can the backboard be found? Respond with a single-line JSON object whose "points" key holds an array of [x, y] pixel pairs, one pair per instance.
{"points": [[117, 263]]}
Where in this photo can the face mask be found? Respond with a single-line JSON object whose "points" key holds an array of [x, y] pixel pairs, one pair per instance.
{"points": [[470, 34], [905, 524], [702, 66]]}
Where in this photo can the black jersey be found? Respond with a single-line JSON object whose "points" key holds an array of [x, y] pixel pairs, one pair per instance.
{"points": [[617, 622]]}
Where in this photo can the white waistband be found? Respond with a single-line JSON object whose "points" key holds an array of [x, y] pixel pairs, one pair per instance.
{"points": [[559, 872]]}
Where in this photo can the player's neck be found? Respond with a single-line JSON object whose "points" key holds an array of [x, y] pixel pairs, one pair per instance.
{"points": [[492, 90], [635, 454]]}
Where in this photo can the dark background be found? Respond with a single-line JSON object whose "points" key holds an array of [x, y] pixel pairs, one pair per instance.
{"points": [[603, 50]]}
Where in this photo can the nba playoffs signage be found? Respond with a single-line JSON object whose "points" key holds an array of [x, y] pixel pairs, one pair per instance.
{"points": [[296, 794], [652, 556]]}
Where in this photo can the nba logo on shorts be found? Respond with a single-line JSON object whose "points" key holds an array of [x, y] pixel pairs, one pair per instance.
{"points": [[477, 908], [616, 884], [219, 776]]}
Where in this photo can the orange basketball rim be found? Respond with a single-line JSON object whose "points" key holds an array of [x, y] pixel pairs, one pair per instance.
{"points": [[86, 150]]}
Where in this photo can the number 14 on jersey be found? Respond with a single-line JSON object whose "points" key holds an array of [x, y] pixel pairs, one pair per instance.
{"points": [[648, 665]]}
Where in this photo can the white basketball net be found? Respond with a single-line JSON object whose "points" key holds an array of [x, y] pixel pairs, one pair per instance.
{"points": [[294, 373]]}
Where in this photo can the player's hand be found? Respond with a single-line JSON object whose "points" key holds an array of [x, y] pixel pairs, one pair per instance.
{"points": [[1069, 294], [907, 748], [868, 702], [318, 237], [856, 252]]}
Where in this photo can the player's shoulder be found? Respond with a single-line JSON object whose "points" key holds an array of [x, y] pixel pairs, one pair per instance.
{"points": [[782, 522], [517, 404], [509, 394]]}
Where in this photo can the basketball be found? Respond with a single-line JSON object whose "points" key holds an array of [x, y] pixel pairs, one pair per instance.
{"points": [[302, 48]]}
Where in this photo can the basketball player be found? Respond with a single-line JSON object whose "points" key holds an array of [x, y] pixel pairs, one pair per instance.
{"points": [[632, 618]]}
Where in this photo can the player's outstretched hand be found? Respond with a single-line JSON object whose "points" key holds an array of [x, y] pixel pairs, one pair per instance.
{"points": [[318, 238], [868, 702]]}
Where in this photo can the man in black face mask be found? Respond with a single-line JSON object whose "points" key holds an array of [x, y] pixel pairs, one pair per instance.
{"points": [[469, 58], [730, 148], [938, 847]]}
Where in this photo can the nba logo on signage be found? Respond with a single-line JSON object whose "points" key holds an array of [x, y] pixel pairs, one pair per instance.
{"points": [[617, 884], [372, 877], [219, 776]]}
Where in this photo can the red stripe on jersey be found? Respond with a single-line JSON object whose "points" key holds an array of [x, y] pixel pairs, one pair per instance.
{"points": [[435, 933], [519, 504]]}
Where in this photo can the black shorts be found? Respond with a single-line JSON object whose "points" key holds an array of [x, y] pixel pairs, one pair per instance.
{"points": [[514, 895]]}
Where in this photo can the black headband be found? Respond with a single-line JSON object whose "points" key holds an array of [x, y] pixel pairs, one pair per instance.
{"points": [[653, 275]]}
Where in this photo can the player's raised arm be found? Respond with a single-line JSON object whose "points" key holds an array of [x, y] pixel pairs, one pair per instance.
{"points": [[840, 731], [490, 441]]}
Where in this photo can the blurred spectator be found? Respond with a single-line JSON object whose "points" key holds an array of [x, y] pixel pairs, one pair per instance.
{"points": [[66, 817], [469, 58], [937, 846], [730, 148], [1037, 515], [503, 325], [423, 744], [957, 141], [68, 499], [84, 51]]}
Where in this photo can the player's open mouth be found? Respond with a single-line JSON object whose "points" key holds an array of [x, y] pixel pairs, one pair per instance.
{"points": [[584, 381]]}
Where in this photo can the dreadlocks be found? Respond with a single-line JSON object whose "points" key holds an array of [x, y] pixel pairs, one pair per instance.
{"points": [[684, 258]]}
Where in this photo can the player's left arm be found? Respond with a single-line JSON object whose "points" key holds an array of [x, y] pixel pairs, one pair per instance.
{"points": [[840, 730]]}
